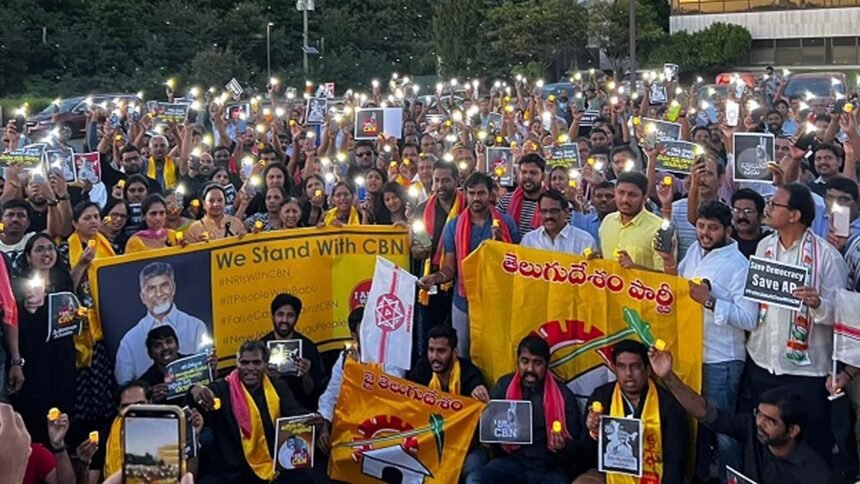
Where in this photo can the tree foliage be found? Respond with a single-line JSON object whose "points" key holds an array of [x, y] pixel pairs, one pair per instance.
{"points": [[609, 29], [716, 48]]}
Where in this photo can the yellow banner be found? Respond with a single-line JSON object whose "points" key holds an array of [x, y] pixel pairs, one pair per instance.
{"points": [[228, 285], [385, 426], [581, 307]]}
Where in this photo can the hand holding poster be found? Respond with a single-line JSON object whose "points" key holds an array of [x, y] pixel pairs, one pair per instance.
{"points": [[506, 422], [284, 355], [500, 162], [386, 329], [168, 112], [752, 153], [316, 110], [772, 282], [295, 438], [620, 442], [61, 162], [184, 373], [566, 155], [677, 156]]}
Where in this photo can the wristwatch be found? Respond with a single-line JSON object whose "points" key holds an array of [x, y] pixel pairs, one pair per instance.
{"points": [[17, 362], [711, 303]]}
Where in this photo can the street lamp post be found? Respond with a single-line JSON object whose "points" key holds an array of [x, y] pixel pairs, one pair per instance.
{"points": [[269, 49], [304, 6]]}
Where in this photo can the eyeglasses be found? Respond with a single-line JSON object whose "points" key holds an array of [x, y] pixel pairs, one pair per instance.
{"points": [[44, 249], [363, 154], [749, 212], [771, 203]]}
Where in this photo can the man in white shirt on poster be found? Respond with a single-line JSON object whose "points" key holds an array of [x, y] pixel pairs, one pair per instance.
{"points": [[555, 233], [157, 291], [718, 272]]}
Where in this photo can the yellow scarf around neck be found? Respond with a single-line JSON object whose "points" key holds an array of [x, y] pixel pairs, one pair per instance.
{"points": [[92, 327], [255, 447], [113, 449], [652, 440], [453, 379], [331, 215], [169, 172]]}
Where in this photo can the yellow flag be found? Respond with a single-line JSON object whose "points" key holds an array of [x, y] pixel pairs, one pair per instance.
{"points": [[387, 426], [581, 307]]}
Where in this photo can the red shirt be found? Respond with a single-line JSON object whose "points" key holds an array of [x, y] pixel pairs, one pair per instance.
{"points": [[42, 462]]}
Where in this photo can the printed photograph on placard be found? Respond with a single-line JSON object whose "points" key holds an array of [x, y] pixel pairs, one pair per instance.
{"points": [[492, 123], [61, 162], [63, 320], [620, 442], [500, 163], [315, 113], [295, 438], [369, 123], [87, 167], [566, 155], [284, 355], [506, 422], [753, 152]]}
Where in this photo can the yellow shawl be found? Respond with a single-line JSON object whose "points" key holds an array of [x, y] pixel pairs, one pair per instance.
{"points": [[169, 172], [113, 451], [331, 215], [652, 440], [84, 341], [254, 444], [453, 380]]}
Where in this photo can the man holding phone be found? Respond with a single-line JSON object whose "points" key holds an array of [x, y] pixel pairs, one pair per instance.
{"points": [[841, 196], [243, 425], [828, 161]]}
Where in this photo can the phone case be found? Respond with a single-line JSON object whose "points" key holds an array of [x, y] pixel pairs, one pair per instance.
{"points": [[841, 223]]}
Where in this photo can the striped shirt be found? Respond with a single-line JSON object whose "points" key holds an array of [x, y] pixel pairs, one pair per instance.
{"points": [[527, 212]]}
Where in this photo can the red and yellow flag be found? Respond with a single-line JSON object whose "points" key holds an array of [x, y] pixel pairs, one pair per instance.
{"points": [[386, 426], [580, 307]]}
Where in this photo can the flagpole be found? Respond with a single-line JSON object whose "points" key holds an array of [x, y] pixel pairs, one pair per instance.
{"points": [[839, 393]]}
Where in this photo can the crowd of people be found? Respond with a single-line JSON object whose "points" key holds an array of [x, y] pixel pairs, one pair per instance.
{"points": [[763, 407]]}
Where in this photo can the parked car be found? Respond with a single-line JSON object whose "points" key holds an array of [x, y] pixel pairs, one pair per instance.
{"points": [[822, 85], [70, 113]]}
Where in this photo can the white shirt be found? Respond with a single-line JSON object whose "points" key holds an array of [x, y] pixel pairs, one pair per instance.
{"points": [[17, 247], [570, 240], [132, 359], [725, 327], [766, 345], [329, 397]]}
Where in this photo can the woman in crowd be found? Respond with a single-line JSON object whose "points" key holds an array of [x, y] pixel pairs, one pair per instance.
{"points": [[344, 212], [314, 203], [274, 175], [394, 201], [114, 216], [270, 219], [153, 233], [215, 224], [221, 177], [95, 380], [373, 208], [175, 221], [290, 213], [49, 375]]}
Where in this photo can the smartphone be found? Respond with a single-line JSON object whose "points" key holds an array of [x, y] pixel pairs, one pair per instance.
{"points": [[674, 111], [732, 113], [805, 141], [651, 138], [757, 115], [191, 115], [841, 221], [839, 107], [153, 438], [362, 193], [114, 120], [666, 237], [422, 238], [712, 114], [135, 115], [20, 123]]}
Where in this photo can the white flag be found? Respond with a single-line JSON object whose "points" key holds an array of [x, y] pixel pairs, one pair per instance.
{"points": [[386, 329], [846, 330]]}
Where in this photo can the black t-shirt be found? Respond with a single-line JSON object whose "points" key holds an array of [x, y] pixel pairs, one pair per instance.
{"points": [[748, 247]]}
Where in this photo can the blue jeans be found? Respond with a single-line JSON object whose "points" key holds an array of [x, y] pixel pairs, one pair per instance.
{"points": [[720, 382], [506, 470]]}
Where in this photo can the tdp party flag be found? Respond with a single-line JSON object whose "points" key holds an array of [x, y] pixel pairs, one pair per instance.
{"points": [[580, 307], [385, 425], [386, 328], [220, 291]]}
